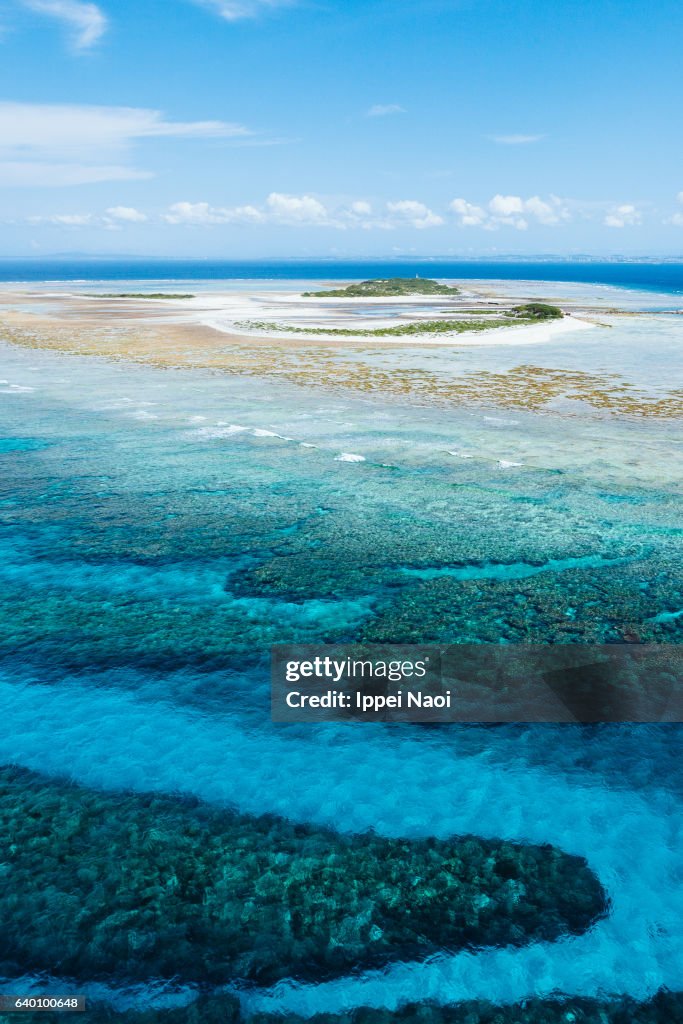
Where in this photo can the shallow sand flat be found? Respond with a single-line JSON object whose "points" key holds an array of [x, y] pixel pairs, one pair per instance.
{"points": [[481, 368], [286, 315]]}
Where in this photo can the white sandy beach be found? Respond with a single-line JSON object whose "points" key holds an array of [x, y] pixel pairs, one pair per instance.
{"points": [[231, 313], [524, 334]]}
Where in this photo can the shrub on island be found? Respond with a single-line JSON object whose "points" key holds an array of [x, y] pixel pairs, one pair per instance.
{"points": [[537, 311]]}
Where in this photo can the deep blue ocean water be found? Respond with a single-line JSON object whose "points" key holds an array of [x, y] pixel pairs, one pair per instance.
{"points": [[159, 530], [667, 277]]}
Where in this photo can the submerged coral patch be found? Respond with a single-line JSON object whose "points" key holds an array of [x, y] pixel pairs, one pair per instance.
{"points": [[139, 886], [663, 1008]]}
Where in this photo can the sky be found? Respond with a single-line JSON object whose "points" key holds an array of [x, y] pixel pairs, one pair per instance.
{"points": [[304, 128]]}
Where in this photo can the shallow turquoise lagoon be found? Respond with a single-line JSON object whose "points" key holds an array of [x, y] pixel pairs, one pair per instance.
{"points": [[159, 530]]}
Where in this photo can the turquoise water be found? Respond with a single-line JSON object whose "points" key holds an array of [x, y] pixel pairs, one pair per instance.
{"points": [[159, 530]]}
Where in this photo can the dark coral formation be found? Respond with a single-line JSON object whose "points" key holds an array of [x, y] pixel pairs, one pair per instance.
{"points": [[98, 885], [664, 1008]]}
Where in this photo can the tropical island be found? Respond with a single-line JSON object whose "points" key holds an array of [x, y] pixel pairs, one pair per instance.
{"points": [[386, 287]]}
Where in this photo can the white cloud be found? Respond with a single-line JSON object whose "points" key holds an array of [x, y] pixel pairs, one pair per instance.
{"points": [[56, 127], [470, 215], [384, 109], [69, 220], [626, 215], [85, 20], [416, 214], [297, 209], [307, 211], [112, 220], [203, 214], [310, 211], [278, 209], [126, 213], [73, 144], [679, 197], [515, 140], [193, 213], [552, 212], [511, 211], [506, 206], [37, 174], [236, 10]]}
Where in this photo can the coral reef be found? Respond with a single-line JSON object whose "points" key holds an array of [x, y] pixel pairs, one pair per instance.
{"points": [[664, 1008], [98, 885]]}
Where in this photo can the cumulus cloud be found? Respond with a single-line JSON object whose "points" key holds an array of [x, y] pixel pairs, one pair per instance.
{"points": [[204, 213], [278, 208], [416, 214], [126, 213], [552, 212], [312, 211], [506, 206], [512, 211], [72, 144], [626, 215], [515, 140], [384, 110], [86, 21], [236, 10], [297, 209], [112, 220], [469, 214], [70, 220], [307, 211]]}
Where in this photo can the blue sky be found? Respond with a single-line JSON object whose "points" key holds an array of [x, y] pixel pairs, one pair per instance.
{"points": [[314, 127]]}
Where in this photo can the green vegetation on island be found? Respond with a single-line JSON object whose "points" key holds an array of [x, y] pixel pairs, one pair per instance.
{"points": [[141, 886], [386, 288], [399, 331], [470, 320], [537, 311]]}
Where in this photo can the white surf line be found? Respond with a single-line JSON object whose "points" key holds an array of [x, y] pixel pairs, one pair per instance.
{"points": [[402, 787], [219, 433]]}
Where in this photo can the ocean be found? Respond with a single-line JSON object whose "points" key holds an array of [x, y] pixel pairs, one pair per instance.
{"points": [[160, 529], [667, 276]]}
